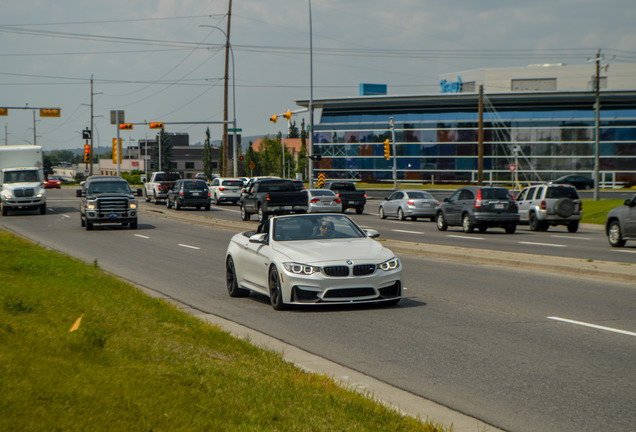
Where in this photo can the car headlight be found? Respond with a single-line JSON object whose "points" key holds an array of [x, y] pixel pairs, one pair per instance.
{"points": [[301, 269], [90, 205], [133, 205], [391, 264]]}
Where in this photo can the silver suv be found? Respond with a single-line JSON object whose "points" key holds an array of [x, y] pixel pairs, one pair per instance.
{"points": [[542, 206]]}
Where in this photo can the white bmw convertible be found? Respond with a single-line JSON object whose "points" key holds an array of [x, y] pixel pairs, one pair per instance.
{"points": [[312, 259]]}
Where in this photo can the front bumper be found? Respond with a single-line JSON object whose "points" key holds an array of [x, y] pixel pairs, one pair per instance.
{"points": [[99, 217], [24, 202]]}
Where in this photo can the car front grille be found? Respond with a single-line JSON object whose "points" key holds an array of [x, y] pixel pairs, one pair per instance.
{"points": [[344, 271], [363, 269], [336, 271], [24, 192], [112, 204]]}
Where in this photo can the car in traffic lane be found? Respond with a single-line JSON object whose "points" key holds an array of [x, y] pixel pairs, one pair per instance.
{"points": [[479, 207], [189, 193], [620, 224], [50, 183], [412, 204], [323, 201], [226, 190], [311, 259]]}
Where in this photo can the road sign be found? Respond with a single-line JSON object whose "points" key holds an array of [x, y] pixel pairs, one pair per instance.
{"points": [[235, 130], [252, 165], [321, 180], [86, 134], [512, 167]]}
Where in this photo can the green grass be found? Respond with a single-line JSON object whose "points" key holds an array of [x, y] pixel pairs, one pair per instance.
{"points": [[138, 363], [595, 212]]}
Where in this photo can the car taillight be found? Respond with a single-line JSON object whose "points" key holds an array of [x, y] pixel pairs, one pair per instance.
{"points": [[543, 205], [314, 201], [267, 197], [410, 203], [478, 200], [209, 194], [580, 206], [338, 200], [180, 193], [221, 189], [338, 194]]}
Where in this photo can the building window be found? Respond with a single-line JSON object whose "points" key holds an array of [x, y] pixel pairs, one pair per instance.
{"points": [[189, 165]]}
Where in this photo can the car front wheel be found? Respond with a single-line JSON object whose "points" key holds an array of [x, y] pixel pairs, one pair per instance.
{"points": [[467, 224], [533, 222], [244, 214], [232, 283], [381, 213], [441, 222], [614, 235], [275, 293]]}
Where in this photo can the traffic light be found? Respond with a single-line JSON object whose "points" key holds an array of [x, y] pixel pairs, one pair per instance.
{"points": [[287, 115], [273, 118], [156, 125], [87, 153], [4, 111], [50, 112], [387, 149], [125, 126], [240, 158], [116, 151]]}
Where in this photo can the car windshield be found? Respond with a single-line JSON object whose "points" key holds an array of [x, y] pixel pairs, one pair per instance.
{"points": [[109, 187], [420, 195], [195, 185], [22, 176], [315, 227], [495, 194], [561, 192]]}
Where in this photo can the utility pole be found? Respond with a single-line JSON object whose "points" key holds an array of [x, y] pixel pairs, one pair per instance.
{"points": [[480, 138], [34, 134], [597, 111], [392, 124], [227, 63], [92, 154]]}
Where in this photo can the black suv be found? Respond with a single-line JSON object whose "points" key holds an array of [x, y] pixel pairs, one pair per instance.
{"points": [[189, 193], [479, 207]]}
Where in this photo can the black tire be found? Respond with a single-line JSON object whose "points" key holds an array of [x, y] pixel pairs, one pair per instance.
{"points": [[275, 294], [5, 210], [359, 210], [510, 229], [467, 224], [43, 209], [146, 197], [232, 284], [615, 235], [262, 215], [177, 206], [244, 214], [82, 222], [133, 225], [441, 222], [154, 198], [587, 187], [564, 207], [400, 214], [573, 226], [89, 225], [533, 222], [381, 213], [216, 200], [207, 207]]}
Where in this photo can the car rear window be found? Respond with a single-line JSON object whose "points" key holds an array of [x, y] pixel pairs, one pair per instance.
{"points": [[276, 186], [561, 192], [418, 194], [343, 187], [322, 193], [236, 183], [195, 185], [495, 193]]}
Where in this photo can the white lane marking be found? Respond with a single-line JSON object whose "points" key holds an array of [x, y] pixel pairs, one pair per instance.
{"points": [[188, 246], [571, 237], [142, 236], [66, 216], [543, 244], [625, 251], [408, 232], [598, 327], [466, 237]]}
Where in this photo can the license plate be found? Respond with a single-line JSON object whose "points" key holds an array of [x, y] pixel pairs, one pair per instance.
{"points": [[327, 202], [499, 206], [287, 207], [195, 193], [112, 215]]}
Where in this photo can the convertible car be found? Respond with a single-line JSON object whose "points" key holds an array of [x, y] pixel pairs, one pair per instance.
{"points": [[312, 259]]}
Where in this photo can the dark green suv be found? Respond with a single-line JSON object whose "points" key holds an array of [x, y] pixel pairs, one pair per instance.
{"points": [[479, 207]]}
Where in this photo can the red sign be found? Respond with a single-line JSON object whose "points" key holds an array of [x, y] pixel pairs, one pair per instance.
{"points": [[512, 167]]}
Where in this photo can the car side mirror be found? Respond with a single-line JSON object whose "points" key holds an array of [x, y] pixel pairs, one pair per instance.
{"points": [[629, 202], [446, 200], [371, 233], [140, 192], [78, 193], [259, 238]]}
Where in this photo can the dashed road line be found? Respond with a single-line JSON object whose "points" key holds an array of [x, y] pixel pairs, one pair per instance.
{"points": [[571, 237], [543, 244], [598, 327], [466, 237], [142, 236], [625, 251], [189, 247], [408, 232]]}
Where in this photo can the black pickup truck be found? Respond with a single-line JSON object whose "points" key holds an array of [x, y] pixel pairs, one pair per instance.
{"points": [[272, 197], [350, 197]]}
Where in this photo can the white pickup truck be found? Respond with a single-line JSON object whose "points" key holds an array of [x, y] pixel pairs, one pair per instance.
{"points": [[160, 183]]}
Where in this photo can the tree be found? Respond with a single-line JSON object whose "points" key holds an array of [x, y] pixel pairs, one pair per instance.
{"points": [[252, 156], [303, 162], [167, 159], [207, 155], [293, 130]]}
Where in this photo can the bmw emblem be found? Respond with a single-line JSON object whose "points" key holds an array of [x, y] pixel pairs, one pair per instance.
{"points": [[349, 262]]}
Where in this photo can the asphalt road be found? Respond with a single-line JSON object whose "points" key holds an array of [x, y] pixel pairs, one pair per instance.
{"points": [[486, 341]]}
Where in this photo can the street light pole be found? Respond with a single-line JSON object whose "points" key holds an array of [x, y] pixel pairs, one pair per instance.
{"points": [[235, 150], [311, 103]]}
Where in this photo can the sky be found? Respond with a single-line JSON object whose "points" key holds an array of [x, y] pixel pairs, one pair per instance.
{"points": [[160, 60]]}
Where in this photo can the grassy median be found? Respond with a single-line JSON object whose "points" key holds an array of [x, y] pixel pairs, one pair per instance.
{"points": [[137, 363]]}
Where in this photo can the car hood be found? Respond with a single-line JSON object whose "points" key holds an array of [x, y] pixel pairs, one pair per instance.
{"points": [[334, 250]]}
